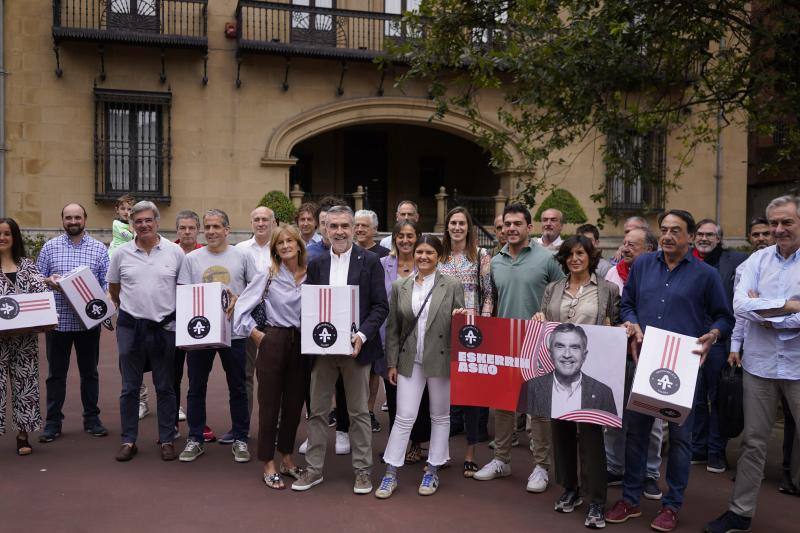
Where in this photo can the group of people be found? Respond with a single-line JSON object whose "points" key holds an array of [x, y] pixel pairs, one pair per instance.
{"points": [[743, 311]]}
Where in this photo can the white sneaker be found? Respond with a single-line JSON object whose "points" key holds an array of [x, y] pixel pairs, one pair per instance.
{"points": [[144, 410], [303, 447], [538, 480], [342, 443], [181, 415], [495, 468]]}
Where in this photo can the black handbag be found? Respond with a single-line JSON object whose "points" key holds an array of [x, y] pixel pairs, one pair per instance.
{"points": [[729, 402], [259, 313]]}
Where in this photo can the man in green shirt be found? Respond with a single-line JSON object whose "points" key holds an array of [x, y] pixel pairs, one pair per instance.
{"points": [[521, 271]]}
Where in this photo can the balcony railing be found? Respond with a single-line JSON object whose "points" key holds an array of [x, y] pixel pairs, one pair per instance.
{"points": [[295, 30], [162, 23]]}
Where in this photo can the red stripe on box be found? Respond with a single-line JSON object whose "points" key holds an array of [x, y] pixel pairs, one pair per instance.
{"points": [[80, 285], [677, 350], [593, 416]]}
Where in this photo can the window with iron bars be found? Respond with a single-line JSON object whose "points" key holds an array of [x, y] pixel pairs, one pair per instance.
{"points": [[132, 143], [636, 181]]}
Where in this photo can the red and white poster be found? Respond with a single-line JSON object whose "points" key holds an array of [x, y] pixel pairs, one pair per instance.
{"points": [[566, 371]]}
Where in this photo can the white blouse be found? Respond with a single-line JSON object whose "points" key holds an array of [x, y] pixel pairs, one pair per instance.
{"points": [[417, 298]]}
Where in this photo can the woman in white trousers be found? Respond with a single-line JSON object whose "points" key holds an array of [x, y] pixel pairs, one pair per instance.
{"points": [[418, 353]]}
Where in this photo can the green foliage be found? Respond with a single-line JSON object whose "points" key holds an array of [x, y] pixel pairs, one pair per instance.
{"points": [[281, 204], [33, 244], [572, 72], [563, 200]]}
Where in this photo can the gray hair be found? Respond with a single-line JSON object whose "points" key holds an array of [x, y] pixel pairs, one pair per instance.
{"points": [[367, 213], [218, 213], [643, 223], [145, 205], [717, 226], [409, 202], [187, 213], [780, 201], [271, 212], [560, 214], [341, 210]]}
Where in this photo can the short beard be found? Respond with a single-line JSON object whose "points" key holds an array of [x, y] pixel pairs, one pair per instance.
{"points": [[73, 230]]}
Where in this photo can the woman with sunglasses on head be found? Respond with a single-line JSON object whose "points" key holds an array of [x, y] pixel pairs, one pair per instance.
{"points": [[418, 354], [399, 264], [19, 353], [580, 298], [464, 260]]}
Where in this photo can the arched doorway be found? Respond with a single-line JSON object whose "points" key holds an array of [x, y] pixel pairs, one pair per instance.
{"points": [[394, 146], [393, 162]]}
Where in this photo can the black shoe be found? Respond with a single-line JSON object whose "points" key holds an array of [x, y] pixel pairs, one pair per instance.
{"points": [[716, 464], [729, 522], [376, 426], [613, 480], [786, 485], [698, 459], [332, 419], [596, 517], [95, 429], [50, 434], [568, 501], [651, 490]]}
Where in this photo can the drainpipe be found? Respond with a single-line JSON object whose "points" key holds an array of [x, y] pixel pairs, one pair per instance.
{"points": [[2, 115]]}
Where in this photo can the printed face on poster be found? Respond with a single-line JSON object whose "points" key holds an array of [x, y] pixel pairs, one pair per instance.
{"points": [[512, 364], [579, 374]]}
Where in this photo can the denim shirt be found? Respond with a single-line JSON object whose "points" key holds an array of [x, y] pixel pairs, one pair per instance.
{"points": [[682, 300]]}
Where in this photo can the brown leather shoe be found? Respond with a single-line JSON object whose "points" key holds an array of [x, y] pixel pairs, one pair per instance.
{"points": [[168, 452], [126, 452]]}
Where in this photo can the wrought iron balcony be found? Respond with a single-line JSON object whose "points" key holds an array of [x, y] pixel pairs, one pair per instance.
{"points": [[295, 30], [159, 23]]}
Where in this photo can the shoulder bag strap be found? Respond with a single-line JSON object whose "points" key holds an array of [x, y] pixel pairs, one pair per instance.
{"points": [[416, 318]]}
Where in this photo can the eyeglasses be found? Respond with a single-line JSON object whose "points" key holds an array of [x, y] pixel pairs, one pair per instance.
{"points": [[143, 221], [572, 305]]}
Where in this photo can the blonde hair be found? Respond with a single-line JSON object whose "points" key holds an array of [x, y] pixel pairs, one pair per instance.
{"points": [[294, 233]]}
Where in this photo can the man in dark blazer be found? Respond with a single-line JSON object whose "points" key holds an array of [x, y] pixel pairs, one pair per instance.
{"points": [[707, 444], [568, 349], [346, 264]]}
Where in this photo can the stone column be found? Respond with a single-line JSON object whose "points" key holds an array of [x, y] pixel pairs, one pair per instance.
{"points": [[296, 195], [500, 200], [441, 209], [358, 198]]}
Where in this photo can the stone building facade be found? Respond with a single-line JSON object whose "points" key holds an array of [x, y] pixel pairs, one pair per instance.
{"points": [[201, 104]]}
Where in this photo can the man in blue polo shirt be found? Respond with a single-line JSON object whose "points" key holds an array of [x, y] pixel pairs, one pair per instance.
{"points": [[672, 290], [60, 256]]}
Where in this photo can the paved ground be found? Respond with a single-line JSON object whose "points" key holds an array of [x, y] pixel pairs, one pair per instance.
{"points": [[75, 485]]}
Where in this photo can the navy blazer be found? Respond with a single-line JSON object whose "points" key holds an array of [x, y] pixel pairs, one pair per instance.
{"points": [[365, 270]]}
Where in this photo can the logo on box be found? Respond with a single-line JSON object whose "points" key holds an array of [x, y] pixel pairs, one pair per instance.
{"points": [[198, 327], [9, 308], [96, 309], [664, 380], [324, 335]]}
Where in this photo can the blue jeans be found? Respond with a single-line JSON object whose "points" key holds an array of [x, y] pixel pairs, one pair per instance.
{"points": [[706, 440], [615, 447], [199, 363], [678, 461], [138, 341]]}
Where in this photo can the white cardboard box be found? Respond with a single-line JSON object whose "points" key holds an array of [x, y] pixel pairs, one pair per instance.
{"points": [[200, 319], [666, 376], [86, 297], [27, 313], [329, 315]]}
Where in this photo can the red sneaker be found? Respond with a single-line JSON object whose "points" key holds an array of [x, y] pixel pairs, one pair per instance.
{"points": [[208, 435], [665, 520], [621, 511]]}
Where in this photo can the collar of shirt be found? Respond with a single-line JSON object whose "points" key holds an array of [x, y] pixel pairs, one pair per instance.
{"points": [[156, 247], [426, 280], [340, 266], [504, 251], [570, 389], [795, 256], [687, 258], [592, 281], [67, 240]]}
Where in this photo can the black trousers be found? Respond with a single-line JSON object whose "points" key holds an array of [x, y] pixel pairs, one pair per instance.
{"points": [[87, 352], [180, 359], [574, 439]]}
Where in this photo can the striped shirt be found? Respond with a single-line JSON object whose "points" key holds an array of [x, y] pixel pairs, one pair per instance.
{"points": [[60, 256]]}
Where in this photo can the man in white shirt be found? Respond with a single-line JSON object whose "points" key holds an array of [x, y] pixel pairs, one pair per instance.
{"points": [[346, 264], [406, 210], [262, 220], [552, 220]]}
